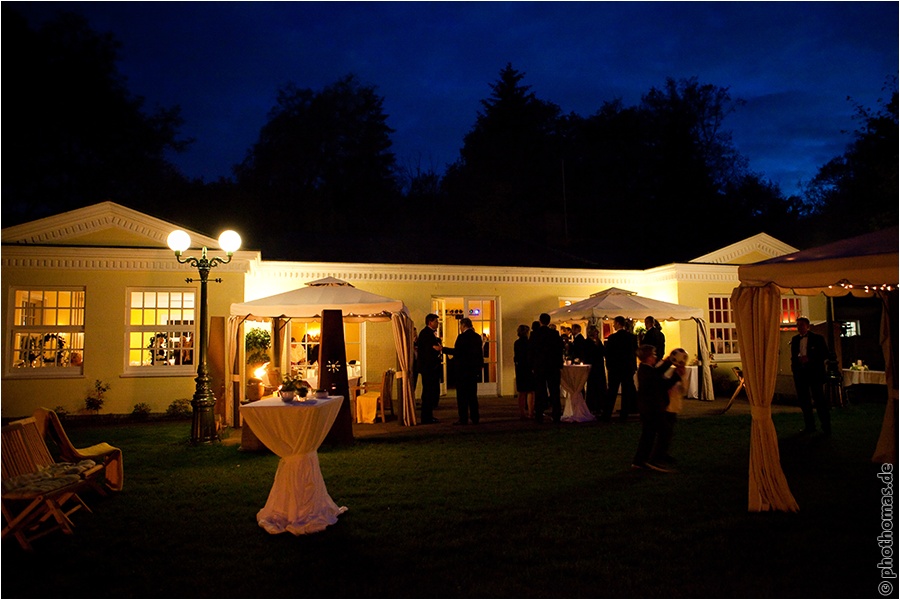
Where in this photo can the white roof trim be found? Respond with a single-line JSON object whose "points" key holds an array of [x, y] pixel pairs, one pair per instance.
{"points": [[761, 242], [57, 229]]}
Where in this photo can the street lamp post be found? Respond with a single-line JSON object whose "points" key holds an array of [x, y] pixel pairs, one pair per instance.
{"points": [[203, 423]]}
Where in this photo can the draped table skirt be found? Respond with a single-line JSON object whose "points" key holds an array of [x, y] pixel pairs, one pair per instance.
{"points": [[298, 502]]}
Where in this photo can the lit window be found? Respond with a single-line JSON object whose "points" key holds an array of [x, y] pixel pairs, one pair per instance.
{"points": [[849, 328], [723, 340], [791, 309], [160, 331], [47, 332]]}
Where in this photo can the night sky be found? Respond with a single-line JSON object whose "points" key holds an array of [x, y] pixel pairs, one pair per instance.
{"points": [[795, 65]]}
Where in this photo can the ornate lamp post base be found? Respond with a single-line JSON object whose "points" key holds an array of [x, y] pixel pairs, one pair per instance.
{"points": [[203, 421]]}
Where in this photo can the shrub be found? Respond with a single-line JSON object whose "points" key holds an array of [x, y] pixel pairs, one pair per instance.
{"points": [[179, 409], [141, 411], [94, 400]]}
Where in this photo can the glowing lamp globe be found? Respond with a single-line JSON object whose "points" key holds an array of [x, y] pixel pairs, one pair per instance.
{"points": [[230, 241], [179, 241]]}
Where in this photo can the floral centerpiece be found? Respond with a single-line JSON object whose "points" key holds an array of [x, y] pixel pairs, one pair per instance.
{"points": [[859, 366], [291, 387]]}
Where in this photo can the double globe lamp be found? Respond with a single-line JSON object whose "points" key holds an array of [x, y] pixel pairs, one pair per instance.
{"points": [[203, 423]]}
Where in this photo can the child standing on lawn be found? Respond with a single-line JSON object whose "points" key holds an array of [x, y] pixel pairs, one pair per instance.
{"points": [[653, 397], [674, 367]]}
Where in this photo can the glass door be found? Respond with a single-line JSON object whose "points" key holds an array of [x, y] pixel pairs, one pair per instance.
{"points": [[482, 312], [484, 320]]}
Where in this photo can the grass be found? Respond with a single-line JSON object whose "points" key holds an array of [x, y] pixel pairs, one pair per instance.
{"points": [[536, 512]]}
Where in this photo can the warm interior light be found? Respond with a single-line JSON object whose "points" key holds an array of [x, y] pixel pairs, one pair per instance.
{"points": [[230, 241], [261, 371], [179, 240]]}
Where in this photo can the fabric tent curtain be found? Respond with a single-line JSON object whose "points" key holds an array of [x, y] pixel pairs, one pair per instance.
{"points": [[886, 449], [757, 315], [402, 326], [706, 382], [232, 370]]}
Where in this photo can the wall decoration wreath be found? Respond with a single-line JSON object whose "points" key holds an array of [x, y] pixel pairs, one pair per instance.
{"points": [[53, 348]]}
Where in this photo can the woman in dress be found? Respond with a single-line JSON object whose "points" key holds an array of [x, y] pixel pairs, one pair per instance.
{"points": [[524, 383]]}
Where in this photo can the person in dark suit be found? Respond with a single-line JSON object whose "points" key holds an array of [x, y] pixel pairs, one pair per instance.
{"points": [[621, 363], [468, 358], [809, 351], [428, 353], [577, 349], [547, 360], [596, 382], [655, 337]]}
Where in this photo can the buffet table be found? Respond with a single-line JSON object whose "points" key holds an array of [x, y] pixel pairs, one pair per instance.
{"points": [[572, 380], [298, 502]]}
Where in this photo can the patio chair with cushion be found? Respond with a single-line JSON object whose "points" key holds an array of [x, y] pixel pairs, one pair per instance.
{"points": [[39, 493], [376, 397], [103, 454]]}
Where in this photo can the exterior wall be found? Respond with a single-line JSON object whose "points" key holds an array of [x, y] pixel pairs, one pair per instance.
{"points": [[73, 249], [105, 275]]}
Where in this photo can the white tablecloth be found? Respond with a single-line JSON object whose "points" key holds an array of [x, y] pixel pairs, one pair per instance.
{"points": [[852, 377], [691, 382], [299, 501], [572, 379]]}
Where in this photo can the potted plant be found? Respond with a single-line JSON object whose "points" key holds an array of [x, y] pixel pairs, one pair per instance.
{"points": [[256, 344]]}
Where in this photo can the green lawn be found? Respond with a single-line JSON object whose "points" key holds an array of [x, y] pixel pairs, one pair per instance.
{"points": [[536, 512]]}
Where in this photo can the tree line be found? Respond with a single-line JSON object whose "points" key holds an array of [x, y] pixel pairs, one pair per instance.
{"points": [[627, 186]]}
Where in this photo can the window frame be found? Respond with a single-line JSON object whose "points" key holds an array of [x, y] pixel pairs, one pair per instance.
{"points": [[166, 369], [714, 325], [45, 332]]}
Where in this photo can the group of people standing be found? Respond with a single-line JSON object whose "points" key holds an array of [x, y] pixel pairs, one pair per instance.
{"points": [[539, 354]]}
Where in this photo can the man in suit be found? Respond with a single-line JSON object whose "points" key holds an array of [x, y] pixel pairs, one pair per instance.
{"points": [[577, 349], [468, 358], [655, 337], [621, 363], [547, 360], [809, 351], [428, 353]]}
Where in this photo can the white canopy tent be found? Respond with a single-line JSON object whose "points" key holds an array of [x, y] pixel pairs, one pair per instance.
{"points": [[307, 303], [613, 302], [866, 265]]}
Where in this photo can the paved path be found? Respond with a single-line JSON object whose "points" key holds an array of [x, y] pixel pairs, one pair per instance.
{"points": [[503, 414]]}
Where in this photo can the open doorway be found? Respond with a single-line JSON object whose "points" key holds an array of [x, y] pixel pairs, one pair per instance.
{"points": [[483, 313]]}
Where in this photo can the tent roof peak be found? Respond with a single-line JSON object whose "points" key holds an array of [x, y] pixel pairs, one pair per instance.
{"points": [[334, 281]]}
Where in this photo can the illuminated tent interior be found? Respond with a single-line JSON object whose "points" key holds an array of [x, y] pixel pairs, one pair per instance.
{"points": [[865, 266], [307, 304], [613, 302]]}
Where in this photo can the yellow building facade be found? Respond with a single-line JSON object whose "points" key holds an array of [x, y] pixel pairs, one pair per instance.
{"points": [[103, 280]]}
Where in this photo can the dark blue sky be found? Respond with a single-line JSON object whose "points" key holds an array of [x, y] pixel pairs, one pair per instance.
{"points": [[795, 65]]}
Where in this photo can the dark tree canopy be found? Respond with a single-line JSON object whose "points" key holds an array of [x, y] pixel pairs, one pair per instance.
{"points": [[624, 187], [857, 191], [325, 156], [507, 180], [79, 136]]}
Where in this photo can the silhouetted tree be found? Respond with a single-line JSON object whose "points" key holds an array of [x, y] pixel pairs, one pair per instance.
{"points": [[508, 177], [857, 192], [324, 156], [75, 135]]}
